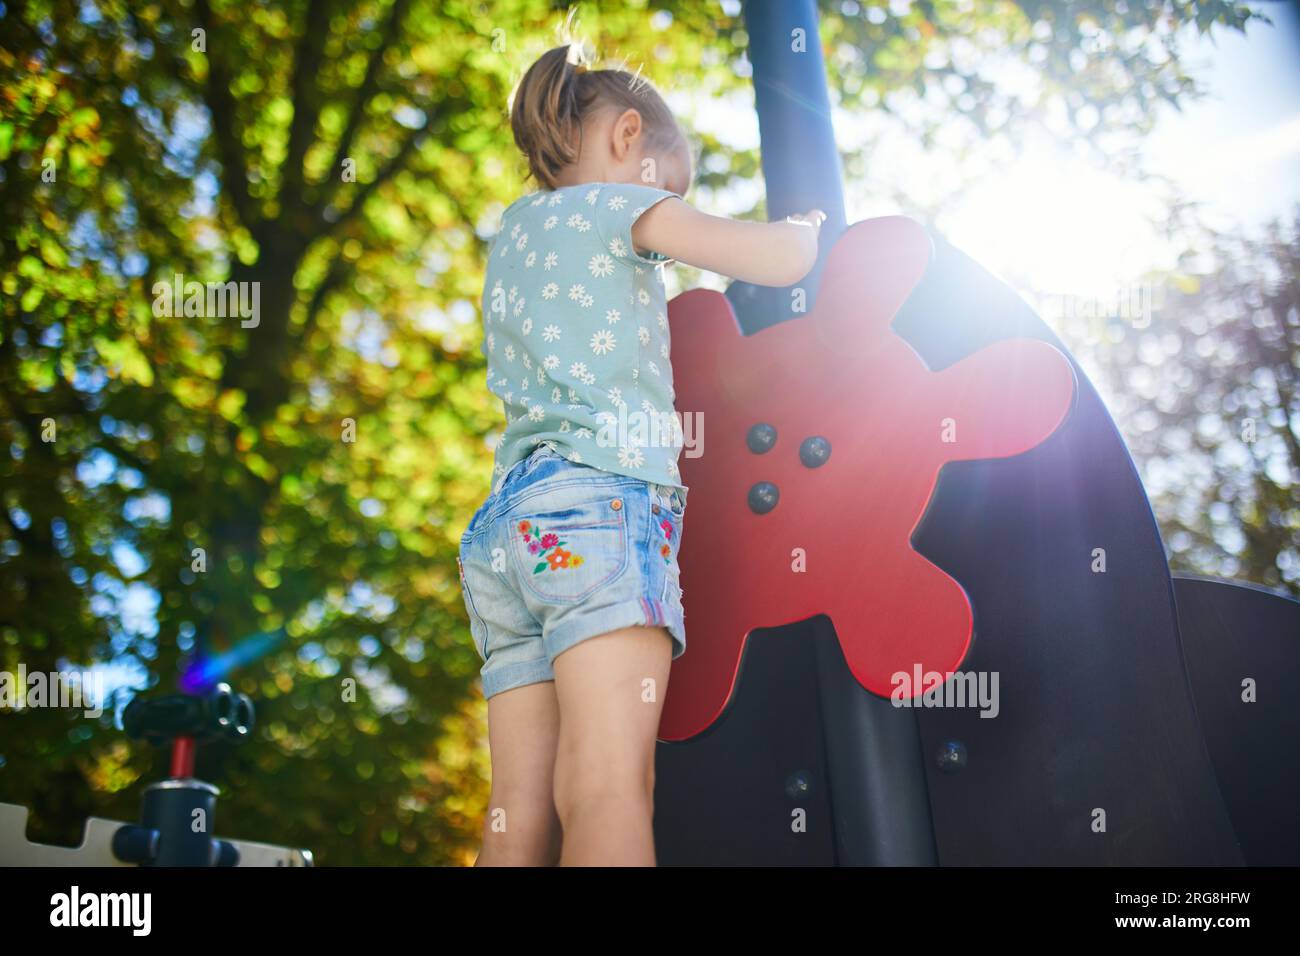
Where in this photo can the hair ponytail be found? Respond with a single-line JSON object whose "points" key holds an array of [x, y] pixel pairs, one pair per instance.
{"points": [[557, 94], [546, 117]]}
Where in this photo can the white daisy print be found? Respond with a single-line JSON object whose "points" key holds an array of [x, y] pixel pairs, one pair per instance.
{"points": [[601, 265], [527, 326], [523, 384], [539, 200], [617, 248], [584, 432], [591, 196], [576, 457], [577, 291], [551, 363], [555, 395], [515, 231], [541, 375], [556, 199], [643, 296], [510, 353], [631, 457], [519, 306], [662, 320], [550, 262], [492, 341], [587, 301], [616, 397], [566, 425], [528, 359], [643, 335], [514, 293], [536, 413], [653, 367], [612, 316], [576, 221], [531, 259], [663, 350], [551, 223], [602, 342], [589, 378], [521, 243], [550, 290], [578, 370], [551, 333], [616, 202]]}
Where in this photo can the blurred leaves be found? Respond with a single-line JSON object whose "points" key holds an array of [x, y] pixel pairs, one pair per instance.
{"points": [[1206, 386]]}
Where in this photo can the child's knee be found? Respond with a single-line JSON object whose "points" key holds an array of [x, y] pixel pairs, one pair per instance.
{"points": [[585, 785]]}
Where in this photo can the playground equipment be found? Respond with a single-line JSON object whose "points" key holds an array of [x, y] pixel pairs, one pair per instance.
{"points": [[175, 825], [912, 476]]}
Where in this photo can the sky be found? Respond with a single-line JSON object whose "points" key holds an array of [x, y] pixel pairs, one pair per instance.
{"points": [[1067, 227], [1055, 223]]}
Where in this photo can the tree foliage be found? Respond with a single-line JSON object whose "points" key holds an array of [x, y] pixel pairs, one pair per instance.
{"points": [[1206, 386]]}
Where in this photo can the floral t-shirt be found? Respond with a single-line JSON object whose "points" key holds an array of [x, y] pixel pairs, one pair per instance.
{"points": [[575, 332]]}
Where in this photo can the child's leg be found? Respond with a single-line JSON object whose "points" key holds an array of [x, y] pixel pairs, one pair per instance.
{"points": [[611, 691], [522, 828]]}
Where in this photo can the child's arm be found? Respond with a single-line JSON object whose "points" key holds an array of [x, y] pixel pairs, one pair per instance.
{"points": [[764, 253]]}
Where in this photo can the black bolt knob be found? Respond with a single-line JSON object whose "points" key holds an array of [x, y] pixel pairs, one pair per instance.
{"points": [[952, 756], [761, 438], [221, 713], [814, 452], [763, 497]]}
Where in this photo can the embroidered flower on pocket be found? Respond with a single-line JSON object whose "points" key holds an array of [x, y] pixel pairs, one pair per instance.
{"points": [[547, 546], [666, 549]]}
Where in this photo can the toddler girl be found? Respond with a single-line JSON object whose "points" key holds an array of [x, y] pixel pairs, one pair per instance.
{"points": [[569, 568]]}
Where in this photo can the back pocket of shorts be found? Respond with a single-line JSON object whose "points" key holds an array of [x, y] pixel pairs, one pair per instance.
{"points": [[567, 554]]}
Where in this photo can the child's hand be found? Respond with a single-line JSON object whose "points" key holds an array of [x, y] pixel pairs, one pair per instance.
{"points": [[814, 218]]}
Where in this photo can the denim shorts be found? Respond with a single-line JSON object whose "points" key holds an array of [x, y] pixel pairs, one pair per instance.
{"points": [[562, 552]]}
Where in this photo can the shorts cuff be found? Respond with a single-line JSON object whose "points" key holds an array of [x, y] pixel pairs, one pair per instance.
{"points": [[642, 611], [509, 676]]}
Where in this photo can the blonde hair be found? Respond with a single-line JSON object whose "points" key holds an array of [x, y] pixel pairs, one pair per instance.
{"points": [[560, 92]]}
